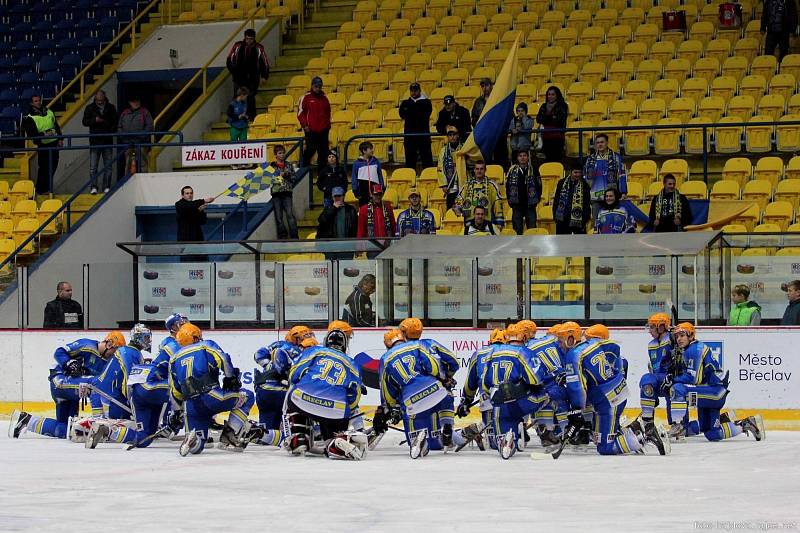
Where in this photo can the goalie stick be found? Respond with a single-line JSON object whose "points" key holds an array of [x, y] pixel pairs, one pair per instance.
{"points": [[110, 398]]}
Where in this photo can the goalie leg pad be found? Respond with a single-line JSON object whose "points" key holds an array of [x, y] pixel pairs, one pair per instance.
{"points": [[350, 445], [299, 440]]}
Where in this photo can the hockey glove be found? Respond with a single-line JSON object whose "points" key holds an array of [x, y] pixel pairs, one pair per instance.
{"points": [[561, 379], [574, 424], [667, 385], [449, 383], [175, 421], [233, 382], [395, 415], [379, 421], [73, 368], [463, 409]]}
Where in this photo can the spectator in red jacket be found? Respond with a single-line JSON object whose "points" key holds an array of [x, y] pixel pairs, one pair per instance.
{"points": [[248, 63], [314, 115], [376, 218]]}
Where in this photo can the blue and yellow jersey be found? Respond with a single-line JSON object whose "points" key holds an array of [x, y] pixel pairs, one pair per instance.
{"points": [[475, 371], [166, 350], [547, 352], [701, 366], [510, 364], [280, 355], [325, 376], [405, 369], [660, 353], [114, 379], [83, 349], [448, 363], [594, 367], [198, 360], [143, 375]]}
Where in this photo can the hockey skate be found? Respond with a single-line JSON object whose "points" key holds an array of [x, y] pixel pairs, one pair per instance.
{"points": [[507, 445], [191, 443], [677, 432], [350, 445], [98, 433], [18, 424], [447, 437], [373, 438], [419, 445], [230, 440], [656, 435], [727, 416], [473, 433], [753, 425], [550, 442]]}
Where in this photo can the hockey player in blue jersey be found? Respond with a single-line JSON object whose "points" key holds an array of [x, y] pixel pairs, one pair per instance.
{"points": [[515, 388], [325, 388], [76, 365], [271, 384], [702, 375], [448, 366], [651, 384], [194, 380], [595, 377]]}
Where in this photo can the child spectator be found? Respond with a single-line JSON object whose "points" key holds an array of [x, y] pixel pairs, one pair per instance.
{"points": [[331, 177], [366, 171], [237, 117]]}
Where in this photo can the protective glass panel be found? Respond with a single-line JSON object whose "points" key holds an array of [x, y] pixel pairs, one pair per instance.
{"points": [[448, 286], [557, 288], [358, 298], [305, 291], [111, 296], [622, 288], [267, 287], [166, 288], [401, 293], [766, 277], [500, 288], [235, 290], [42, 284]]}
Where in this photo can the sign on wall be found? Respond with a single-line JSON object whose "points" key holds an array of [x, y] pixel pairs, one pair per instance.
{"points": [[166, 288], [211, 155]]}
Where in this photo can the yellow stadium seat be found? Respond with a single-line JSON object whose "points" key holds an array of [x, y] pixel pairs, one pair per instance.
{"points": [[423, 27], [388, 10], [623, 110], [728, 137], [756, 252], [637, 142], [338, 101], [605, 18], [430, 79], [282, 103], [496, 58], [789, 251], [793, 168], [758, 138], [678, 69], [794, 228], [780, 213], [578, 145], [772, 105], [482, 72], [316, 66], [376, 82], [342, 65], [693, 137], [552, 20], [565, 37], [591, 37], [436, 44], [21, 190], [45, 211], [488, 7], [287, 124], [351, 82], [22, 230], [594, 111], [551, 56], [654, 189], [694, 88], [665, 90], [652, 109], [631, 16], [576, 94], [712, 107], [407, 46], [526, 22], [635, 51], [373, 29], [764, 66], [369, 119], [364, 11], [749, 218], [383, 46], [738, 169], [468, 93], [647, 33], [747, 48], [635, 192], [723, 87], [4, 188], [667, 141], [6, 232], [460, 43], [769, 168], [593, 72], [725, 190], [706, 67], [643, 171], [23, 209], [734, 228], [695, 190], [413, 9], [788, 136], [677, 167], [735, 67], [788, 190], [741, 106], [753, 85], [784, 84], [537, 74], [681, 108], [526, 57], [719, 49], [663, 51], [691, 50], [607, 53], [636, 91], [471, 60], [701, 31], [549, 267], [620, 72], [539, 39], [401, 81], [473, 24], [790, 64], [418, 62], [649, 70], [759, 191], [350, 29]]}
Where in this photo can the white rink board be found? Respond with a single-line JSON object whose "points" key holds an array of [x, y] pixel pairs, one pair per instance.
{"points": [[764, 363]]}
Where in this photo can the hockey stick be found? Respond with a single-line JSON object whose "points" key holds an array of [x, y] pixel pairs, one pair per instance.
{"points": [[537, 456], [462, 446], [110, 398], [149, 437]]}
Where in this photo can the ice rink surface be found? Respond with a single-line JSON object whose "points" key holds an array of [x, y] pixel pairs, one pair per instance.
{"points": [[736, 485]]}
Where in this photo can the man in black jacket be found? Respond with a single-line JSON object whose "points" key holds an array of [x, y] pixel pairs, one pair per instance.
{"points": [[191, 215], [779, 20], [101, 117], [453, 114], [63, 311], [669, 209], [791, 317], [338, 221], [416, 113], [248, 64], [358, 306]]}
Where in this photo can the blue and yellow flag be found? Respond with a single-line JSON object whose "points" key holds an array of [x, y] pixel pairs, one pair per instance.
{"points": [[495, 118], [253, 182]]}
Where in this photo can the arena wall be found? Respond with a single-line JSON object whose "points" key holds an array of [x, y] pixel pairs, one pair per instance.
{"points": [[764, 363]]}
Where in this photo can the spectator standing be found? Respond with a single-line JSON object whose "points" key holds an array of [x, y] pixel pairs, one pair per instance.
{"points": [[331, 177], [449, 180], [779, 21], [571, 207], [614, 218], [523, 192], [191, 215], [453, 114], [101, 118], [136, 119], [338, 220], [376, 218], [521, 128], [744, 312], [416, 219], [40, 121], [416, 113], [248, 64], [63, 312], [366, 173], [314, 115], [358, 305], [553, 114], [669, 209], [282, 198], [500, 154], [480, 191], [479, 225], [237, 115], [791, 317], [604, 169]]}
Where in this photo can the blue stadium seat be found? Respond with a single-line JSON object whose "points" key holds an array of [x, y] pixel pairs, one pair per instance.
{"points": [[8, 97], [51, 83], [7, 80], [48, 63], [68, 44], [88, 48], [70, 65], [28, 78], [27, 94], [45, 46]]}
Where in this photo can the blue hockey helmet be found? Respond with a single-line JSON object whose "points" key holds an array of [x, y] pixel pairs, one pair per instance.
{"points": [[175, 321], [141, 337]]}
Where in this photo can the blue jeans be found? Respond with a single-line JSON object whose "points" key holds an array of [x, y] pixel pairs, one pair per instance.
{"points": [[94, 158]]}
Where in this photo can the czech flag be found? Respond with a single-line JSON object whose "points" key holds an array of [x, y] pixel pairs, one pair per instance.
{"points": [[493, 122]]}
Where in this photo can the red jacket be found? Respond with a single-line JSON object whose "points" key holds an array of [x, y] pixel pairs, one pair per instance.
{"points": [[379, 225], [314, 112]]}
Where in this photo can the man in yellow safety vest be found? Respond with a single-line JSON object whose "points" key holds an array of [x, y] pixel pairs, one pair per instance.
{"points": [[40, 122]]}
